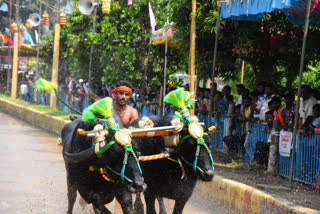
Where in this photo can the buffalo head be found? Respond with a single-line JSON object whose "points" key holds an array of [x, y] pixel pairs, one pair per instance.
{"points": [[115, 154], [193, 149]]}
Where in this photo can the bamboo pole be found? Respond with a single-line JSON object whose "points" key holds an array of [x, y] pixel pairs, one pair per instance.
{"points": [[15, 67], [165, 62], [55, 66], [242, 72], [9, 49], [214, 61], [91, 55], [192, 49], [306, 27]]}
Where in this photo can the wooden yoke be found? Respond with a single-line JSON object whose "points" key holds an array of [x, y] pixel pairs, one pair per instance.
{"points": [[153, 134]]}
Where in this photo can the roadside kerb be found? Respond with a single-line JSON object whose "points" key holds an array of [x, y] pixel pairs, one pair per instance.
{"points": [[36, 118], [234, 196], [241, 198]]}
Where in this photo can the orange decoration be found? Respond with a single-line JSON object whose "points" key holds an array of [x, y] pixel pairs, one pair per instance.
{"points": [[106, 6], [45, 18], [28, 24], [62, 19], [14, 26]]}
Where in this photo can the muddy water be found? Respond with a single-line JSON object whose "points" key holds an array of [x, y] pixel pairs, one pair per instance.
{"points": [[32, 174]]}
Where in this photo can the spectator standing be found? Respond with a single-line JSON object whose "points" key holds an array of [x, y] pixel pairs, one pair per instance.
{"points": [[198, 102], [240, 89], [221, 103], [262, 106], [306, 103], [288, 111], [226, 91], [277, 111]]}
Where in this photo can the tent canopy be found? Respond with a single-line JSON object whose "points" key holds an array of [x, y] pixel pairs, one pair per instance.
{"points": [[254, 10]]}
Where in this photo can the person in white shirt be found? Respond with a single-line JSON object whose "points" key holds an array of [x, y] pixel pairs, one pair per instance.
{"points": [[240, 89], [262, 106], [306, 103]]}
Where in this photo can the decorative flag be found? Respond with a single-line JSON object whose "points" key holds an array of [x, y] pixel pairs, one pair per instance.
{"points": [[27, 37], [314, 5], [5, 39], [152, 19]]}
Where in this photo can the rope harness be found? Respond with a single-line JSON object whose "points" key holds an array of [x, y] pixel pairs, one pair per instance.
{"points": [[200, 142], [124, 140]]}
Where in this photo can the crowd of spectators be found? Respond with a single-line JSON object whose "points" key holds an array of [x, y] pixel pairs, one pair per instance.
{"points": [[263, 105], [259, 105]]}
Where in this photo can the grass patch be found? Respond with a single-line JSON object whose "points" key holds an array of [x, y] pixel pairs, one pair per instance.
{"points": [[39, 107]]}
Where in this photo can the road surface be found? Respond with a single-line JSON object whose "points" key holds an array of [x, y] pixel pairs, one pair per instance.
{"points": [[32, 178]]}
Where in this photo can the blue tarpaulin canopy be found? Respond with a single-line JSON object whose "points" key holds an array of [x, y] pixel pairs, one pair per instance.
{"points": [[254, 10]]}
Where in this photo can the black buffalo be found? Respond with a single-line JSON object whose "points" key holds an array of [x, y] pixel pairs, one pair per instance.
{"points": [[79, 155], [165, 178]]}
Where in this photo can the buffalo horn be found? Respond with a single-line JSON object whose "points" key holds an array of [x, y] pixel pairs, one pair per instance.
{"points": [[82, 156]]}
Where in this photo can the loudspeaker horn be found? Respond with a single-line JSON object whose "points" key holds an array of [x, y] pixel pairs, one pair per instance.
{"points": [[86, 6], [35, 19]]}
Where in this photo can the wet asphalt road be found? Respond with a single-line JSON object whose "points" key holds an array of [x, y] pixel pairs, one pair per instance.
{"points": [[32, 175]]}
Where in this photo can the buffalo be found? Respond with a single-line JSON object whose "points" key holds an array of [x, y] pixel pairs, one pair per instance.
{"points": [[118, 164], [175, 178]]}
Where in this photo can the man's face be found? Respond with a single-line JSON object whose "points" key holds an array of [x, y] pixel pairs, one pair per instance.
{"points": [[239, 90], [246, 102], [288, 101], [316, 112], [122, 98], [275, 105], [305, 93], [260, 89], [206, 94], [225, 91], [268, 91]]}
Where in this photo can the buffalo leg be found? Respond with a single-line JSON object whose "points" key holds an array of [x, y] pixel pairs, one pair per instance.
{"points": [[72, 194], [179, 205], [99, 205], [95, 210], [138, 205], [125, 200], [150, 199], [162, 208]]}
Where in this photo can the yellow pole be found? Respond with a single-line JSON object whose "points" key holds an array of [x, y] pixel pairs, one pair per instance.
{"points": [[15, 67], [192, 49], [242, 71], [55, 66]]}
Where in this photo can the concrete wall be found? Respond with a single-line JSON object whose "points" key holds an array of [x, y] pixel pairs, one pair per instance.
{"points": [[234, 196], [36, 118]]}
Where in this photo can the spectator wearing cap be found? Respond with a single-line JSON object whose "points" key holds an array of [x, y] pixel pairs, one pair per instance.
{"points": [[306, 103]]}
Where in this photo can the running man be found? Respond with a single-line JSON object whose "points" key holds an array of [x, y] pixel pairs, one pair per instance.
{"points": [[121, 94]]}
